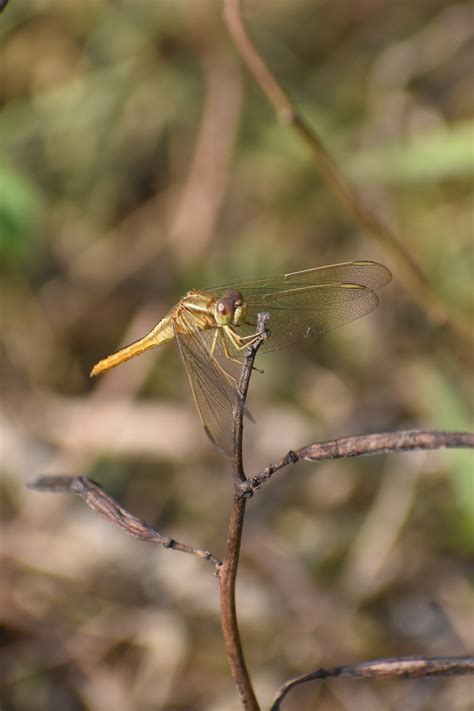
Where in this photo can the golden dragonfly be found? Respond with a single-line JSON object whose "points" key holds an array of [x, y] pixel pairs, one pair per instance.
{"points": [[213, 328]]}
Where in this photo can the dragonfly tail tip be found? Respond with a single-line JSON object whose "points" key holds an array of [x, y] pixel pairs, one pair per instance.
{"points": [[95, 371]]}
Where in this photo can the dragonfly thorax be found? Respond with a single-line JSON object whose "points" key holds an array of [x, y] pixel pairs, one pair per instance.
{"points": [[231, 309]]}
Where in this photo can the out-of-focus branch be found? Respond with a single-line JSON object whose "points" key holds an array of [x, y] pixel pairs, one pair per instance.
{"points": [[205, 184], [394, 668], [111, 510], [415, 279], [228, 570], [363, 445]]}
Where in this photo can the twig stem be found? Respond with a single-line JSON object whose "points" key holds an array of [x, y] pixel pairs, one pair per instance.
{"points": [[363, 445], [397, 667], [228, 571], [230, 628], [107, 507]]}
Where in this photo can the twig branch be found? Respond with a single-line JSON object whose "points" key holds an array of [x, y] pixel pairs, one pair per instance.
{"points": [[111, 510], [398, 667], [287, 111], [363, 445], [228, 570], [238, 475]]}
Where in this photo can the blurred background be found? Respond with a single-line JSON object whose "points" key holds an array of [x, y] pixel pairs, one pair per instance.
{"points": [[139, 160]]}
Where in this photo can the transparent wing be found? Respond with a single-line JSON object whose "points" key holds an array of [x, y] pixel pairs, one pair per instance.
{"points": [[303, 304], [301, 313], [370, 274], [214, 393]]}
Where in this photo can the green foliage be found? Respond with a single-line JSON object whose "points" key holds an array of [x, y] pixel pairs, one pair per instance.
{"points": [[451, 411], [21, 207], [431, 156]]}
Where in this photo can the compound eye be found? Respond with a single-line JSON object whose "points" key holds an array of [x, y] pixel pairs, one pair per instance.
{"points": [[224, 311], [235, 295], [225, 306]]}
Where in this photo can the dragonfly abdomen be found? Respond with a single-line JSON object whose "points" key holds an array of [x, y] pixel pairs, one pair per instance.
{"points": [[161, 333]]}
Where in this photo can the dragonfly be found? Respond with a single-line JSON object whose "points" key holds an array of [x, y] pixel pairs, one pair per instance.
{"points": [[214, 327]]}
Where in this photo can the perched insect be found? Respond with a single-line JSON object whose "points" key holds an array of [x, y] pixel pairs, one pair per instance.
{"points": [[213, 327]]}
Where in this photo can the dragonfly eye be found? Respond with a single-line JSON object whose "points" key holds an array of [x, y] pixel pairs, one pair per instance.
{"points": [[235, 295], [230, 309], [224, 311]]}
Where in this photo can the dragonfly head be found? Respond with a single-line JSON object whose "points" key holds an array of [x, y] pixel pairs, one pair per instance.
{"points": [[231, 309]]}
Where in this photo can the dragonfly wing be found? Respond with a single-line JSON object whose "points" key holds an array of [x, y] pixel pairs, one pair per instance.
{"points": [[370, 274], [213, 390], [302, 304], [302, 312]]}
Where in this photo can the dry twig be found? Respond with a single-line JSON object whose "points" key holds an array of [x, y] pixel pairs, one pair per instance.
{"points": [[112, 511], [363, 445], [228, 570], [395, 668]]}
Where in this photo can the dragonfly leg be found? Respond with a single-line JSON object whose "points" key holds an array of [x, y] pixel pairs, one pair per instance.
{"points": [[212, 353], [219, 334], [214, 342], [239, 342], [225, 348]]}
